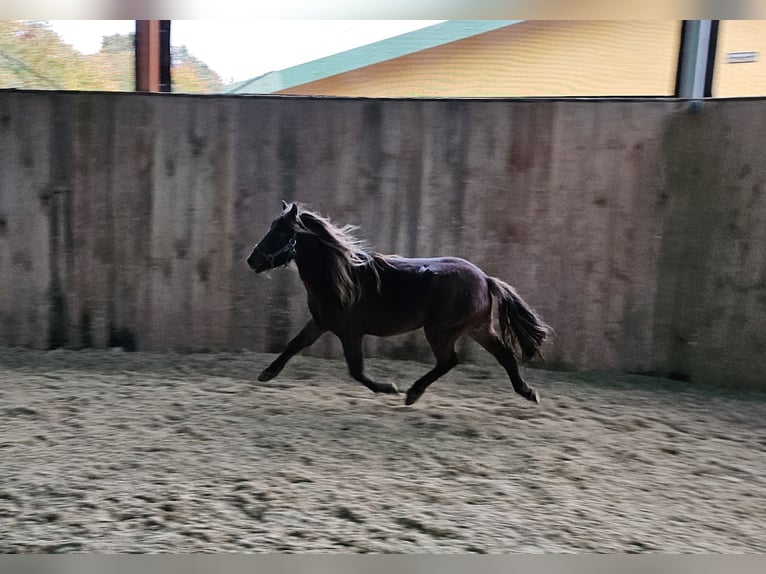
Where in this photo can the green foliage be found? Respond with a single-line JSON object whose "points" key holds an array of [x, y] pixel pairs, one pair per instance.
{"points": [[192, 75], [33, 56], [117, 43]]}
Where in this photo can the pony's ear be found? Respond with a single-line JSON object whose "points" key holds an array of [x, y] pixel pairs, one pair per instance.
{"points": [[293, 213], [284, 205]]}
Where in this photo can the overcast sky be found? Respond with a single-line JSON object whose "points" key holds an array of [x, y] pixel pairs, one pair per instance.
{"points": [[242, 49]]}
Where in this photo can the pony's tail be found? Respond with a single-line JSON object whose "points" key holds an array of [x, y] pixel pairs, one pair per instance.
{"points": [[519, 324]]}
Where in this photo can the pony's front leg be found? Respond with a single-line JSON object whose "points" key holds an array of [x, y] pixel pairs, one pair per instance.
{"points": [[308, 335], [352, 350]]}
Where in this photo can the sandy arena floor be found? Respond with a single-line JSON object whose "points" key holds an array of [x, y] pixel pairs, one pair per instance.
{"points": [[104, 451]]}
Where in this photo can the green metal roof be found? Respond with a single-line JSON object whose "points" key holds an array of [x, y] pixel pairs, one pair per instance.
{"points": [[367, 55]]}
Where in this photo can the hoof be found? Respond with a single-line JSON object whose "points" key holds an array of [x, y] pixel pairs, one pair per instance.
{"points": [[412, 398], [267, 375], [387, 389], [534, 396]]}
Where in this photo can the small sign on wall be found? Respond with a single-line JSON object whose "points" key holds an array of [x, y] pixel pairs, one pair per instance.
{"points": [[741, 57]]}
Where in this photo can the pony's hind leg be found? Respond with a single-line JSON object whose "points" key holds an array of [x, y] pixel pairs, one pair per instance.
{"points": [[492, 343], [308, 335], [352, 350], [446, 358]]}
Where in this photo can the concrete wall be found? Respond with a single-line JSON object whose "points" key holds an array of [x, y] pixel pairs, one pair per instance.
{"points": [[636, 228]]}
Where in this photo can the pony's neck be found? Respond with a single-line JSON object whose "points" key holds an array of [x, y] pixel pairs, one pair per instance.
{"points": [[314, 263], [327, 276]]}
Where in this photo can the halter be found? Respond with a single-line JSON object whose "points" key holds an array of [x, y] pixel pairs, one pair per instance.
{"points": [[288, 248]]}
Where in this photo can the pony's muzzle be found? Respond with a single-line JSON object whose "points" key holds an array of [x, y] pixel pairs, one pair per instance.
{"points": [[257, 262]]}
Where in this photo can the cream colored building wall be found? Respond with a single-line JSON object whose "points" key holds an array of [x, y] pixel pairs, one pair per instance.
{"points": [[741, 79], [536, 58]]}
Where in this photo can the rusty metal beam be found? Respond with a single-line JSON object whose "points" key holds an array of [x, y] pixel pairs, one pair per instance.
{"points": [[152, 55]]}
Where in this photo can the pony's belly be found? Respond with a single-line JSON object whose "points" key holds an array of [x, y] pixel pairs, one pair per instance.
{"points": [[392, 324], [390, 332]]}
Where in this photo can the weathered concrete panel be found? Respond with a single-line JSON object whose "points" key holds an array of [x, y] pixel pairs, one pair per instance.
{"points": [[636, 228], [711, 297], [33, 194]]}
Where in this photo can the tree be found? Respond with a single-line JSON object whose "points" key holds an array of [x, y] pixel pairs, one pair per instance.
{"points": [[115, 63], [192, 75], [33, 56], [118, 43]]}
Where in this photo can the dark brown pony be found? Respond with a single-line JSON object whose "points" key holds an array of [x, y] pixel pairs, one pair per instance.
{"points": [[353, 292]]}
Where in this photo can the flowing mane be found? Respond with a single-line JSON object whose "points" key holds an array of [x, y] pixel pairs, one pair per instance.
{"points": [[348, 255]]}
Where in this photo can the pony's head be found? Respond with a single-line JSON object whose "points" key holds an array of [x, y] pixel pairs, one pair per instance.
{"points": [[278, 245], [339, 255]]}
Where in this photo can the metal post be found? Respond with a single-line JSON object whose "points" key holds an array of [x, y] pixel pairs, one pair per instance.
{"points": [[695, 62], [152, 55], [165, 58]]}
